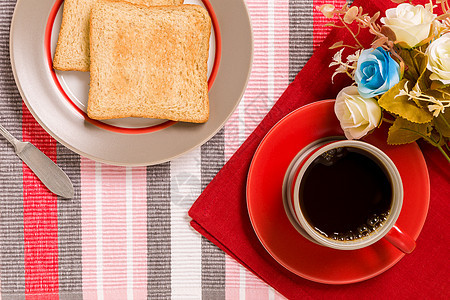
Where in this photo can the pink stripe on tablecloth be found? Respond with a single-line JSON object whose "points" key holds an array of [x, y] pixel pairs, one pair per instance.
{"points": [[278, 296], [88, 222], [232, 279], [255, 98], [139, 183], [110, 269], [320, 31], [232, 140], [269, 78], [114, 228], [281, 48], [249, 113], [270, 70], [275, 62], [255, 288]]}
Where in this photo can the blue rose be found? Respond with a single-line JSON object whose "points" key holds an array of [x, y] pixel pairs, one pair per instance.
{"points": [[376, 72]]}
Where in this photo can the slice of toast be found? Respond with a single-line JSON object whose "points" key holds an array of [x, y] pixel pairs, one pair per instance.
{"points": [[72, 50], [149, 62]]}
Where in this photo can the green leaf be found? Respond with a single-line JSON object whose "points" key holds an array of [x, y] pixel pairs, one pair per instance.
{"points": [[402, 106], [415, 62], [404, 132], [402, 45], [411, 73], [442, 123], [424, 82], [408, 76]]}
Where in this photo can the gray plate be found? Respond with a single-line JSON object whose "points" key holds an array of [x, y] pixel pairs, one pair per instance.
{"points": [[56, 115]]}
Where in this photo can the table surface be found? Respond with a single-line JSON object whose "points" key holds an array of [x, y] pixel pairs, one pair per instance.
{"points": [[126, 233]]}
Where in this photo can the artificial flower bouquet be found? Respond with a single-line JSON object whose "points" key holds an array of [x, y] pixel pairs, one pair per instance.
{"points": [[403, 79]]}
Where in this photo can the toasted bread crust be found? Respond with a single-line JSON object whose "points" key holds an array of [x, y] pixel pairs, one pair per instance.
{"points": [[72, 49], [149, 62]]}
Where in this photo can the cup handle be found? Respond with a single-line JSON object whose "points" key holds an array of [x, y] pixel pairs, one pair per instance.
{"points": [[400, 240]]}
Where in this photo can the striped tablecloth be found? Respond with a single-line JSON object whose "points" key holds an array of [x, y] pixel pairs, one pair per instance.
{"points": [[126, 233]]}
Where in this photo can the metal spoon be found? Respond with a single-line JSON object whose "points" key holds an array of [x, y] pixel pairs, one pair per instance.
{"points": [[45, 169]]}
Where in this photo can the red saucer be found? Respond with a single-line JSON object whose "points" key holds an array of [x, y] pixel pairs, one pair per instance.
{"points": [[279, 237]]}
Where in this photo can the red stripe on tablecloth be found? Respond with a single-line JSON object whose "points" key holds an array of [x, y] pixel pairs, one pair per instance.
{"points": [[321, 31], [40, 219]]}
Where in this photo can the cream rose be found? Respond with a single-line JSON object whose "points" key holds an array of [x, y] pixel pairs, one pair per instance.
{"points": [[438, 53], [411, 24], [357, 115]]}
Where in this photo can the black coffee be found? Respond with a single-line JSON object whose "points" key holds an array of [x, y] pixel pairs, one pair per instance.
{"points": [[345, 194]]}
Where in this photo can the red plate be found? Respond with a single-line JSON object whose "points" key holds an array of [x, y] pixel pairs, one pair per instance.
{"points": [[279, 237]]}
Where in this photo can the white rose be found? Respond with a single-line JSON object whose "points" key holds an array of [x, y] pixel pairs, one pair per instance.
{"points": [[411, 24], [356, 114], [438, 53]]}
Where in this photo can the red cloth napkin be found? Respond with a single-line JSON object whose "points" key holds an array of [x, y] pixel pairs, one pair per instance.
{"points": [[220, 213]]}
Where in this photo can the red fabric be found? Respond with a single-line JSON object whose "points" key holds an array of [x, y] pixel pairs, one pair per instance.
{"points": [[220, 213]]}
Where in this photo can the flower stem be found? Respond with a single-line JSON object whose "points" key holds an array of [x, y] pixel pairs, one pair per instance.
{"points": [[351, 32], [349, 75], [443, 153], [387, 120], [431, 141]]}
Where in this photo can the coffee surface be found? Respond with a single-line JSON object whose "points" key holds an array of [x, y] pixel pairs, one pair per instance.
{"points": [[345, 194]]}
